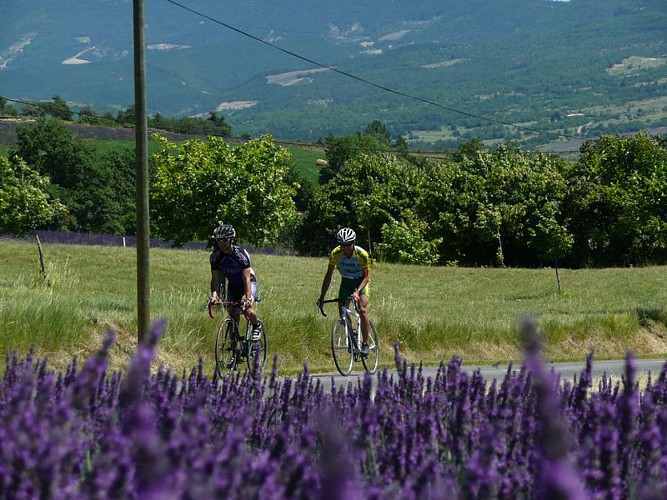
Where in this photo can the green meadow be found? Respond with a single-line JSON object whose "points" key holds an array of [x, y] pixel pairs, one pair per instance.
{"points": [[431, 313]]}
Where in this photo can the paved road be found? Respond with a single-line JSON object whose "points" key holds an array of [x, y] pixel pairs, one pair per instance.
{"points": [[614, 368]]}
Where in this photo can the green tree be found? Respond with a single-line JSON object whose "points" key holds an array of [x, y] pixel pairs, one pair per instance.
{"points": [[219, 123], [379, 130], [126, 116], [57, 109], [368, 191], [496, 207], [88, 115], [374, 138], [341, 149], [200, 183], [406, 241], [617, 201], [107, 204], [98, 192], [454, 203], [468, 149], [528, 190], [25, 204], [50, 146]]}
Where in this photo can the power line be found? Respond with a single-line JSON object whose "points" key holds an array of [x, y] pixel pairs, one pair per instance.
{"points": [[368, 82], [35, 103]]}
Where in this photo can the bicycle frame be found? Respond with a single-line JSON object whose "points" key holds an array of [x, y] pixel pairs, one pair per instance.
{"points": [[239, 346], [351, 340]]}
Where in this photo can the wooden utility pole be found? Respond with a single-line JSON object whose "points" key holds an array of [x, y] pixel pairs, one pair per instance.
{"points": [[141, 150]]}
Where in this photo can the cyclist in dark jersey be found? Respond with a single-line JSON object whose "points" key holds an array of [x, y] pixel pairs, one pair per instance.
{"points": [[231, 263]]}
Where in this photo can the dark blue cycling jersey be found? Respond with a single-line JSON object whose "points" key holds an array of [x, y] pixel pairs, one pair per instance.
{"points": [[231, 265]]}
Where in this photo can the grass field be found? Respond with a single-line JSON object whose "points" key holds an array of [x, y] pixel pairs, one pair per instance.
{"points": [[432, 313], [304, 161]]}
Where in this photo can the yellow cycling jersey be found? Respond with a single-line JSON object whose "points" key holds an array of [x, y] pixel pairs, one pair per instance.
{"points": [[350, 267]]}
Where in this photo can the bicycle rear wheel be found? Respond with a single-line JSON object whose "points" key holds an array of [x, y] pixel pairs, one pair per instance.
{"points": [[256, 349], [225, 356], [341, 348], [372, 361]]}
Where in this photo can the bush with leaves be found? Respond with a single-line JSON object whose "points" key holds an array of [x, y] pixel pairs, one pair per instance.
{"points": [[368, 191], [617, 202], [406, 242], [25, 204], [99, 192], [201, 183], [493, 207]]}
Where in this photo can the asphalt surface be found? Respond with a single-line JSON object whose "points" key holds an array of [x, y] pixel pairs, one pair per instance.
{"points": [[614, 368]]}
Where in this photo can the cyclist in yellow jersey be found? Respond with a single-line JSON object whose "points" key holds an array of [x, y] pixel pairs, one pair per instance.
{"points": [[353, 263]]}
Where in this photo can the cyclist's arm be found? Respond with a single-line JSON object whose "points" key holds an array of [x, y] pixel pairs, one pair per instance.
{"points": [[327, 281], [247, 284], [215, 284]]}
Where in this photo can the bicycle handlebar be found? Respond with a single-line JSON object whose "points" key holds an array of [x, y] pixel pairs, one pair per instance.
{"points": [[320, 303], [242, 304]]}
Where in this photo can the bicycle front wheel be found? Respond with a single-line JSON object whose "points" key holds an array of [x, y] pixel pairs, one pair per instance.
{"points": [[341, 348], [372, 361], [225, 356], [256, 349]]}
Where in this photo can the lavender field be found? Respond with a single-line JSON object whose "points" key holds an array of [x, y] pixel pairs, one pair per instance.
{"points": [[90, 433]]}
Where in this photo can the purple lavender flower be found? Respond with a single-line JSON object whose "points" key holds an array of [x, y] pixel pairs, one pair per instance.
{"points": [[555, 474]]}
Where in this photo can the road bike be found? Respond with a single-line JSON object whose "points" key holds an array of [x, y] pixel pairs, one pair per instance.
{"points": [[346, 338], [230, 347]]}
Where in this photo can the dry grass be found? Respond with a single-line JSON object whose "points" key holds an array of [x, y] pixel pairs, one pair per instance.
{"points": [[431, 313]]}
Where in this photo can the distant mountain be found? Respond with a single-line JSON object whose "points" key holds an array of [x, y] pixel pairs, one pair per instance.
{"points": [[435, 71]]}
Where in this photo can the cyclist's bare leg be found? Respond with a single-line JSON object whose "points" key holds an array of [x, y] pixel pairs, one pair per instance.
{"points": [[252, 315], [365, 320], [341, 305], [231, 313]]}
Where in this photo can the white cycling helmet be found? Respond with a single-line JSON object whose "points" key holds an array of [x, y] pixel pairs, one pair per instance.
{"points": [[224, 231], [346, 235]]}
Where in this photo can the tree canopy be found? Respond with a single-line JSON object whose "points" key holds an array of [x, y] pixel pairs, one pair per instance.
{"points": [[200, 184], [25, 204], [97, 190], [475, 205]]}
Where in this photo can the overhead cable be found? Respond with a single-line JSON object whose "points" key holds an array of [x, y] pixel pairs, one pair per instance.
{"points": [[368, 82]]}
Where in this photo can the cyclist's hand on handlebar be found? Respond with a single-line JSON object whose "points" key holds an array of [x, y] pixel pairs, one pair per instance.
{"points": [[247, 302], [320, 303], [212, 301]]}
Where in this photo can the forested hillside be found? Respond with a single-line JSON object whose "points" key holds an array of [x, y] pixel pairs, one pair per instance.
{"points": [[438, 72]]}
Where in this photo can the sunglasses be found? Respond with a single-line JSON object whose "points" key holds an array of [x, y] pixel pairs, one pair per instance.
{"points": [[223, 240], [347, 244]]}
